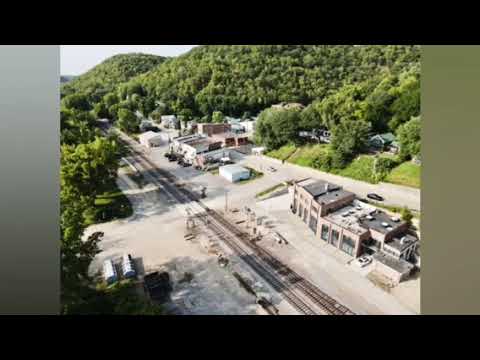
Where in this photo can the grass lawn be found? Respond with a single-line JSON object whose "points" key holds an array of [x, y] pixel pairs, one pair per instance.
{"points": [[407, 174], [305, 155], [283, 153], [359, 169], [270, 190], [109, 206]]}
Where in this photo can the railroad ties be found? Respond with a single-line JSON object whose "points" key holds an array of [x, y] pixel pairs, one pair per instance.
{"points": [[296, 290]]}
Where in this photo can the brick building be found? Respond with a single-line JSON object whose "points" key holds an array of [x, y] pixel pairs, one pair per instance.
{"points": [[355, 228], [210, 129]]}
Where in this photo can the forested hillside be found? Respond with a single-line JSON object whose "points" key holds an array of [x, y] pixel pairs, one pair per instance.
{"points": [[106, 76], [238, 79]]}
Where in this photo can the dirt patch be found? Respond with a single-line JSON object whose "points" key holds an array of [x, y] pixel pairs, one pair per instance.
{"points": [[381, 281]]}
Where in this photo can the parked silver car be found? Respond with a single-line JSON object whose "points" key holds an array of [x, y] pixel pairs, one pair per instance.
{"points": [[364, 261]]}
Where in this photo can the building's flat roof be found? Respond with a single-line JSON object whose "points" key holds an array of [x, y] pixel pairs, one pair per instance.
{"points": [[399, 265], [318, 189], [348, 216], [198, 143], [150, 135], [397, 243], [381, 222], [184, 139], [233, 169], [228, 135]]}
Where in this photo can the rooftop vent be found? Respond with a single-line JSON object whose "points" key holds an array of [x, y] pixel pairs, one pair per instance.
{"points": [[404, 240]]}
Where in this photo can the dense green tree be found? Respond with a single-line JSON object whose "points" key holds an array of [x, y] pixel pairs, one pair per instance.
{"points": [[111, 99], [407, 99], [101, 111], [409, 138], [127, 121], [76, 102], [276, 128], [86, 171], [89, 168], [218, 117], [349, 138]]}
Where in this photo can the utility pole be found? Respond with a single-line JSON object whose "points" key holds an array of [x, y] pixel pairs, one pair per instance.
{"points": [[226, 201]]}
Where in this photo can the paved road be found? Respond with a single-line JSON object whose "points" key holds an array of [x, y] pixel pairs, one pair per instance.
{"points": [[394, 195]]}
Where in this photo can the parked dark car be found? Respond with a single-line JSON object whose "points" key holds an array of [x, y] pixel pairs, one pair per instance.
{"points": [[375, 197]]}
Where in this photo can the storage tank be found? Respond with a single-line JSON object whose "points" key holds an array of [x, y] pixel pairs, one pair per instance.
{"points": [[128, 266], [109, 272]]}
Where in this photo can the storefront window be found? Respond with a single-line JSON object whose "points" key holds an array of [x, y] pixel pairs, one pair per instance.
{"points": [[313, 224], [325, 231], [348, 245], [335, 236]]}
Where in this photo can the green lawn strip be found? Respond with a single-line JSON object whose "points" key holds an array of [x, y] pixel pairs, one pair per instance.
{"points": [[283, 153], [270, 190], [305, 155], [407, 174], [359, 169], [394, 209], [111, 205]]}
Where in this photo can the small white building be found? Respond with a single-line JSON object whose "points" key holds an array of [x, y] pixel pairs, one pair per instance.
{"points": [[248, 125], [234, 173], [170, 121], [258, 151], [152, 139]]}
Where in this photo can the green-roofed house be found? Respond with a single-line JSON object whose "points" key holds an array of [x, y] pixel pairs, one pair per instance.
{"points": [[385, 142]]}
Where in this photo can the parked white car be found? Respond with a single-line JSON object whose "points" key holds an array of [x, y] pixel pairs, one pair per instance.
{"points": [[364, 261]]}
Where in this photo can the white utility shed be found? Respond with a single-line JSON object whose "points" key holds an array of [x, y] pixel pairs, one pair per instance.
{"points": [[234, 173], [152, 139]]}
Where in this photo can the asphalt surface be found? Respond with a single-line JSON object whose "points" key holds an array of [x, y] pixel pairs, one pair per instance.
{"points": [[394, 195]]}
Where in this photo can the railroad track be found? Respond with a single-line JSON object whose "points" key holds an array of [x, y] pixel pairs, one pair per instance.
{"points": [[279, 276]]}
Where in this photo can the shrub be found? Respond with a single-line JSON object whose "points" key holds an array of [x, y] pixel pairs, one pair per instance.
{"points": [[383, 166]]}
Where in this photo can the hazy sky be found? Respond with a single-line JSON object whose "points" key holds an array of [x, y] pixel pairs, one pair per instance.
{"points": [[77, 59]]}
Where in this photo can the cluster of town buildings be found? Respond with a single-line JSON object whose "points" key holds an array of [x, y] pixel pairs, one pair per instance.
{"points": [[337, 218], [333, 214], [205, 143]]}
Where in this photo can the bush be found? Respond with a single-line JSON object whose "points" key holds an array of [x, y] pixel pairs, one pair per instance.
{"points": [[323, 161], [383, 167], [407, 215]]}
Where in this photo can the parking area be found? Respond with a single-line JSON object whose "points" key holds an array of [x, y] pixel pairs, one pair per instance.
{"points": [[332, 270]]}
